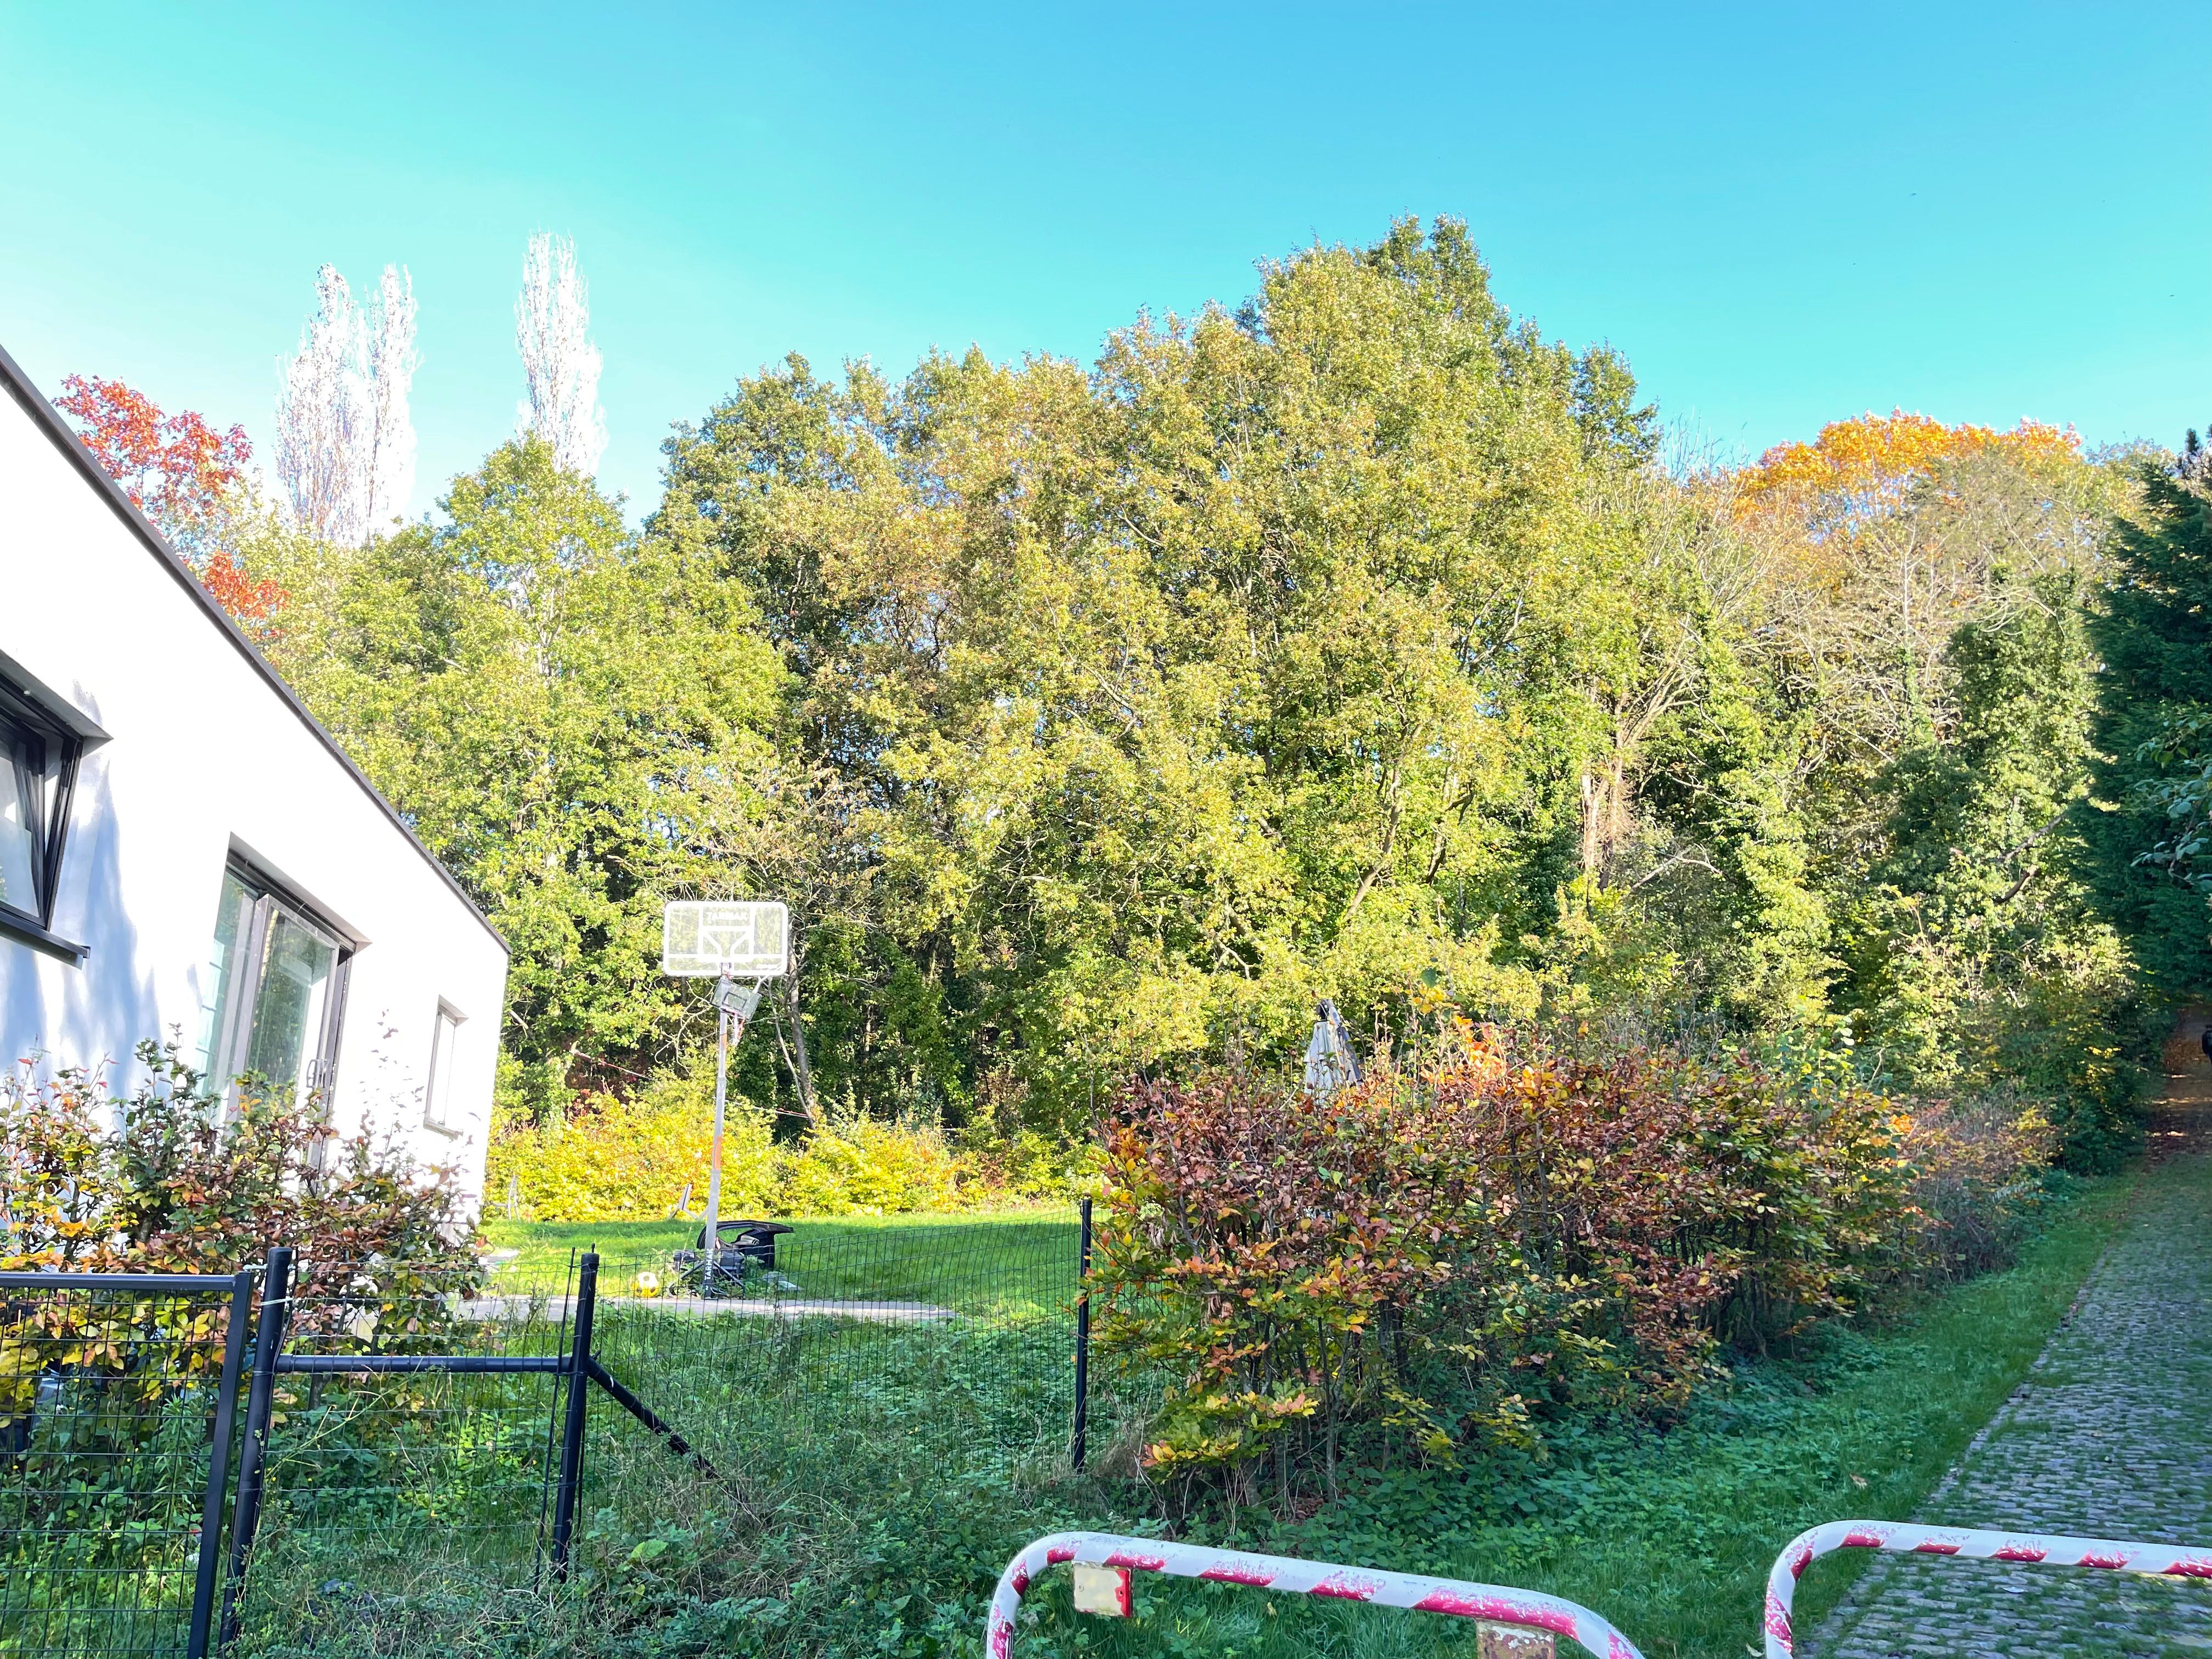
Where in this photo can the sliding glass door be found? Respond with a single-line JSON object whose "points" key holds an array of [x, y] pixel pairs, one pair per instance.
{"points": [[275, 980]]}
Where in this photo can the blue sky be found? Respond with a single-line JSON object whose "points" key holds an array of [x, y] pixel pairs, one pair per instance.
{"points": [[1782, 214]]}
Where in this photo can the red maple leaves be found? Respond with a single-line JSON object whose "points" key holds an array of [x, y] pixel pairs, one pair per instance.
{"points": [[180, 471], [176, 468], [253, 604]]}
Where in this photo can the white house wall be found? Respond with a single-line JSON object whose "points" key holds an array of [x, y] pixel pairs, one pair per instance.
{"points": [[205, 756]]}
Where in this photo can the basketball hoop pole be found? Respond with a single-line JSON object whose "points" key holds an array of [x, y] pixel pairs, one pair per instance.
{"points": [[714, 1157], [720, 940], [726, 1003]]}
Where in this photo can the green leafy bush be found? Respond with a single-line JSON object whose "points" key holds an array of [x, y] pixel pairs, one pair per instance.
{"points": [[171, 1180]]}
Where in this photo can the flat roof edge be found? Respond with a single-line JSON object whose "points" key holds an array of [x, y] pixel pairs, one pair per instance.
{"points": [[36, 404]]}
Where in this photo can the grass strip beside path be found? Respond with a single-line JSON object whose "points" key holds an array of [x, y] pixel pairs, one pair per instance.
{"points": [[1683, 1541]]}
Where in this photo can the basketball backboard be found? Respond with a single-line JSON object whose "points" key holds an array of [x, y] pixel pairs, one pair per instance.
{"points": [[705, 939]]}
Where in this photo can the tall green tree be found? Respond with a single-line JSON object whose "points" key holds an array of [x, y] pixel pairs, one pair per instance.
{"points": [[2155, 638], [1977, 954], [1254, 665], [1346, 643], [538, 691]]}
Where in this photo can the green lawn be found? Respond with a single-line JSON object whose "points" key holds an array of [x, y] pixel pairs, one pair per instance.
{"points": [[1020, 1261]]}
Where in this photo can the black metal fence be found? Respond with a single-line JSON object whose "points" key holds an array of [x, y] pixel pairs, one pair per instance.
{"points": [[188, 1466], [392, 1442], [117, 1397]]}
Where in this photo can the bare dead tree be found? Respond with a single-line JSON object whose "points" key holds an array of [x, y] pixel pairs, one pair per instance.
{"points": [[392, 361], [318, 411]]}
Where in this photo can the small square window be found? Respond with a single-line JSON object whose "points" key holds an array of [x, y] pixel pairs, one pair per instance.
{"points": [[438, 1093]]}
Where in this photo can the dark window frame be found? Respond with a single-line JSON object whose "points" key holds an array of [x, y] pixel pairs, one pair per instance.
{"points": [[24, 722]]}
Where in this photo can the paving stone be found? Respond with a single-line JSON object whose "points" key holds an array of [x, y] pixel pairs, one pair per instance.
{"points": [[2109, 1436]]}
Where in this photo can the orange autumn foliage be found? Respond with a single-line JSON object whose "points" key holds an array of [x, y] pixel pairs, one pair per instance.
{"points": [[176, 469], [1452, 1258], [1462, 1256], [253, 604], [1871, 459]]}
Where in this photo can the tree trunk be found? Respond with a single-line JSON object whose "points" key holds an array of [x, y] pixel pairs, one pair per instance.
{"points": [[802, 1073], [1605, 817]]}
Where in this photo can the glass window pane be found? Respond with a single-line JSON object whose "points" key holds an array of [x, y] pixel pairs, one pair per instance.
{"points": [[233, 919], [19, 823], [289, 1005]]}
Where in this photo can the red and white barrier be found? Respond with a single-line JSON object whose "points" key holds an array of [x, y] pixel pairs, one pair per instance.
{"points": [[2113, 1555], [1450, 1596]]}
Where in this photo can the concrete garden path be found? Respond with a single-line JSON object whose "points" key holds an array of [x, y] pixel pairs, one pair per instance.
{"points": [[560, 1307], [2109, 1436]]}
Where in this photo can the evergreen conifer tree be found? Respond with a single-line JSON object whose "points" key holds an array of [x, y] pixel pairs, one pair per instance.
{"points": [[2155, 638]]}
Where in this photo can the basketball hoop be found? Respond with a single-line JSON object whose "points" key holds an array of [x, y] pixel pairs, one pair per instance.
{"points": [[718, 938], [727, 941]]}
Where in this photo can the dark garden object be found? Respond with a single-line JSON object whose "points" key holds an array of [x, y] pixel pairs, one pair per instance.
{"points": [[746, 1250]]}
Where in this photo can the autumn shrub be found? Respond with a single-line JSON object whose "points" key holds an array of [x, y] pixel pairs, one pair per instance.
{"points": [[1975, 1169], [1454, 1258], [171, 1180]]}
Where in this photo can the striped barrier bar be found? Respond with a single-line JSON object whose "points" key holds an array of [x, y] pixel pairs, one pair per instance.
{"points": [[2111, 1554], [1450, 1596]]}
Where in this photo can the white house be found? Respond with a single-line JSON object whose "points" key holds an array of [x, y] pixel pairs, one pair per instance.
{"points": [[184, 850]]}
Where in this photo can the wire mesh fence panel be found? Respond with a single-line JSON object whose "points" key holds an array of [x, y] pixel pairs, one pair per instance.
{"points": [[393, 1497], [405, 1444], [862, 1359], [113, 1405]]}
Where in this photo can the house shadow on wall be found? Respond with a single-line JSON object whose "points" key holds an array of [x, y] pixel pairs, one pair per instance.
{"points": [[93, 1015]]}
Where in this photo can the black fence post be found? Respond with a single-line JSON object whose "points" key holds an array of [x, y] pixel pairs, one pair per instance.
{"points": [[1077, 1447], [253, 1455], [204, 1581], [572, 1434]]}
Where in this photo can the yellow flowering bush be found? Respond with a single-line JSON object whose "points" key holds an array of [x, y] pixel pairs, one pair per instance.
{"points": [[866, 1165], [632, 1161]]}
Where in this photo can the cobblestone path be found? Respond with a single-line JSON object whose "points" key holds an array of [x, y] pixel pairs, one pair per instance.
{"points": [[2110, 1435]]}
